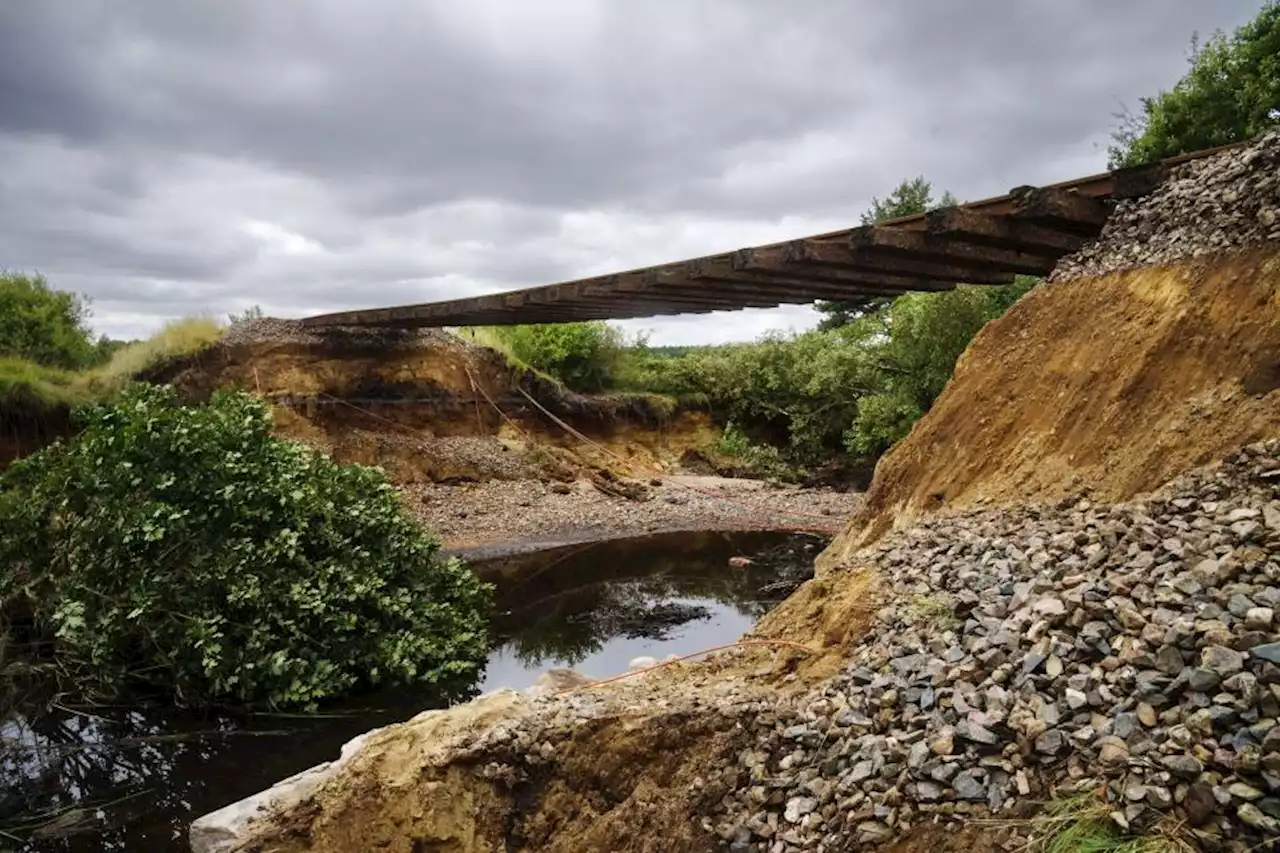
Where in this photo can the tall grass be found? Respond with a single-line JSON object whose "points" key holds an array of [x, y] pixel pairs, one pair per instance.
{"points": [[25, 383], [176, 339]]}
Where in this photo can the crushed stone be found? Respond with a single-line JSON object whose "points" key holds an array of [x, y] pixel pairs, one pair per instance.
{"points": [[1227, 201]]}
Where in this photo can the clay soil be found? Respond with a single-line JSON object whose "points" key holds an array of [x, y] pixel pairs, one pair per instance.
{"points": [[1173, 367]]}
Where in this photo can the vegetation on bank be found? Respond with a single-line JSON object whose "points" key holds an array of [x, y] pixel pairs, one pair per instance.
{"points": [[186, 549], [49, 357], [1230, 92], [46, 326], [1084, 823], [586, 357]]}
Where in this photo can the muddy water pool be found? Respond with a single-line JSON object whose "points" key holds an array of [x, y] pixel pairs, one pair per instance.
{"points": [[131, 778]]}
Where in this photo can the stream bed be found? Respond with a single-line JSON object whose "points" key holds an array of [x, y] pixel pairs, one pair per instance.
{"points": [[133, 777]]}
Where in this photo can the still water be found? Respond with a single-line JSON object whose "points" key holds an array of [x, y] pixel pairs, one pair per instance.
{"points": [[132, 778]]}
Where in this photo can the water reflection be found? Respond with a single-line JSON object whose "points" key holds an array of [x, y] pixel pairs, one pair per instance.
{"points": [[595, 607], [132, 778]]}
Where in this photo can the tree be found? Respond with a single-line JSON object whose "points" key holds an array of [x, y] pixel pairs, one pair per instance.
{"points": [[43, 325], [1230, 92], [244, 318], [914, 347], [914, 195]]}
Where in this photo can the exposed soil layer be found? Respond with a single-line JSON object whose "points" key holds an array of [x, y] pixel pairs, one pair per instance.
{"points": [[27, 428], [1109, 385], [430, 407]]}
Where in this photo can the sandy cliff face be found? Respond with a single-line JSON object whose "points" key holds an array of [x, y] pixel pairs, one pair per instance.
{"points": [[1110, 384], [1153, 350]]}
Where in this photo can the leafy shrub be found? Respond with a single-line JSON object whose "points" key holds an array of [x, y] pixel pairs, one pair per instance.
{"points": [[762, 461], [797, 392], [882, 421], [857, 387], [187, 548], [584, 356], [43, 325]]}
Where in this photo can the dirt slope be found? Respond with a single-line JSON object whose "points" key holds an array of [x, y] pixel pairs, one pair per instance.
{"points": [[1111, 385]]}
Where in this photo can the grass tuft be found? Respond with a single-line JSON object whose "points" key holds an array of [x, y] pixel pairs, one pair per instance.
{"points": [[489, 338], [937, 610], [1082, 823], [25, 383], [176, 339]]}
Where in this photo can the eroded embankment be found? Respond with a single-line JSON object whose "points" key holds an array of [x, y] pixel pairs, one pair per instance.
{"points": [[963, 669], [430, 407], [1109, 385]]}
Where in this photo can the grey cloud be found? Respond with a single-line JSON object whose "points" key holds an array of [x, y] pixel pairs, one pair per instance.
{"points": [[315, 156]]}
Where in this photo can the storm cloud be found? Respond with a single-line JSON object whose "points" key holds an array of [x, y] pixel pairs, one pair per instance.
{"points": [[168, 158]]}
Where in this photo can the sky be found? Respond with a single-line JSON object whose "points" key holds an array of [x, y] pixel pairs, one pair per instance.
{"points": [[167, 159]]}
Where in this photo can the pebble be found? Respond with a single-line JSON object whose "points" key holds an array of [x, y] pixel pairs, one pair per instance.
{"points": [[1041, 684]]}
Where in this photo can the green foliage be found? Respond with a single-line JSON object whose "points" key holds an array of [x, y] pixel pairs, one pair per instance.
{"points": [[883, 420], [762, 461], [27, 384], [914, 346], [188, 549], [176, 339], [858, 387], [912, 196], [796, 392], [584, 356], [43, 325], [1230, 92]]}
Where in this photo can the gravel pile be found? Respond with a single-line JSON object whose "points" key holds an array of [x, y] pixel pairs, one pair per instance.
{"points": [[1228, 201], [471, 514], [1133, 647], [272, 330]]}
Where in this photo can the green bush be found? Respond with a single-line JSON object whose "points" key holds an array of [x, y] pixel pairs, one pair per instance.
{"points": [[584, 356], [882, 421], [857, 387], [43, 325], [186, 548], [761, 461]]}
